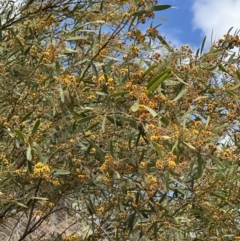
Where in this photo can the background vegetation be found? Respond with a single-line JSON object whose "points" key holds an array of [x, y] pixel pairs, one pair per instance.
{"points": [[109, 133]]}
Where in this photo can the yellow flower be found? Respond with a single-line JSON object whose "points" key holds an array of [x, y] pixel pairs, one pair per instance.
{"points": [[38, 165], [159, 165], [172, 164], [195, 132]]}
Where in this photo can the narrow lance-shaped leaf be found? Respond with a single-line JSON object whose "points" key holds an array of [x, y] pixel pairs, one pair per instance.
{"points": [[199, 167], [35, 127], [159, 7], [164, 42], [26, 116], [61, 172], [21, 205], [182, 92], [103, 124], [38, 150], [29, 153], [152, 9], [151, 68], [86, 119], [238, 74], [202, 46], [222, 68], [151, 111], [19, 134], [154, 84], [58, 68]]}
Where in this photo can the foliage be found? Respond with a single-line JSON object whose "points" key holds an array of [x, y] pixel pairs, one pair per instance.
{"points": [[111, 126]]}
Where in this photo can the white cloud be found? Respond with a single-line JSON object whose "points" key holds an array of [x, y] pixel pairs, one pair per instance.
{"points": [[217, 16]]}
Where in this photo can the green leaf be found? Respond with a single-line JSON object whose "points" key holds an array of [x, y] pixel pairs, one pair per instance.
{"points": [[76, 38], [26, 116], [182, 92], [61, 172], [238, 74], [157, 149], [38, 150], [40, 198], [103, 124], [150, 69], [135, 106], [35, 127], [19, 134], [101, 6], [154, 84], [94, 68], [114, 120], [236, 86], [164, 42], [101, 93], [222, 68], [203, 43], [21, 205], [151, 111], [28, 4], [165, 120], [30, 165], [16, 38], [199, 168], [180, 80], [189, 145], [78, 20], [166, 71], [157, 83], [159, 7], [207, 122], [29, 153], [152, 207], [196, 55], [90, 206], [137, 140], [131, 222], [86, 119], [174, 145], [152, 9], [131, 23], [163, 197], [142, 156], [132, 122], [112, 58], [155, 230], [58, 68]]}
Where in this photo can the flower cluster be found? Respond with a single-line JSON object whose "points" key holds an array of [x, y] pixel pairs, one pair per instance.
{"points": [[41, 170]]}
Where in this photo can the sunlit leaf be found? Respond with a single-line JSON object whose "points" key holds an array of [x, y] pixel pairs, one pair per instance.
{"points": [[183, 92], [151, 111], [61, 172], [135, 106]]}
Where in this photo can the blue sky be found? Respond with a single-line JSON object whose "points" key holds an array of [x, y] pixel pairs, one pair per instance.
{"points": [[191, 20]]}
